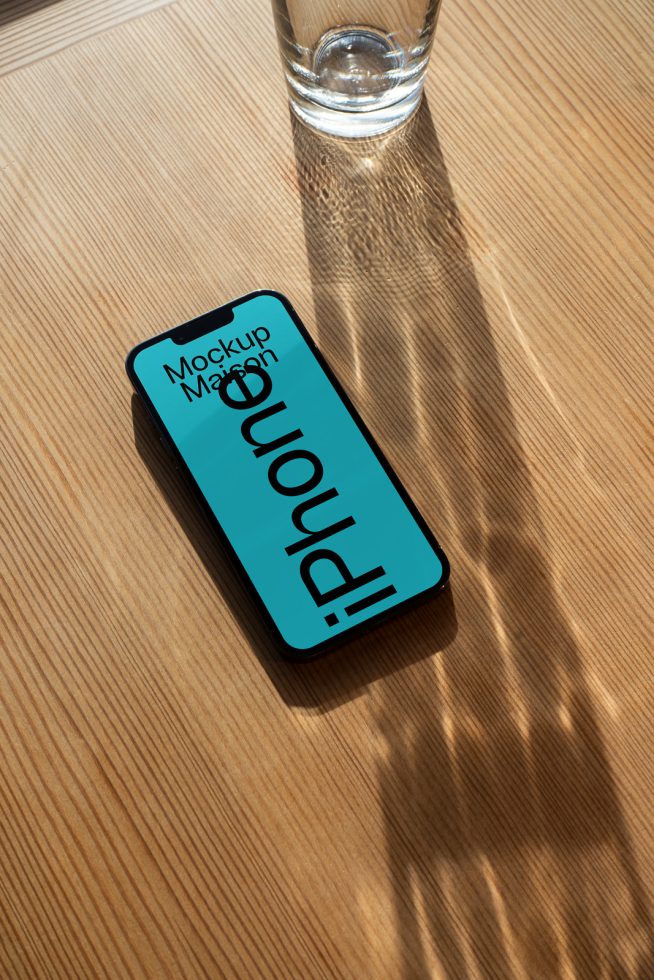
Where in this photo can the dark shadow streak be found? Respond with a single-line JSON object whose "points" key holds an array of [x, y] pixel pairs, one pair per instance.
{"points": [[21, 8], [507, 848], [324, 683]]}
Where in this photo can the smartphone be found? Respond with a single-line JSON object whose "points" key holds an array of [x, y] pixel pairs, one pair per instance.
{"points": [[297, 489]]}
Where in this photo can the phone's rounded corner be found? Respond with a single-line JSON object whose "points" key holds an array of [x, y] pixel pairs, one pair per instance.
{"points": [[276, 295], [444, 579], [290, 652], [131, 358], [293, 655]]}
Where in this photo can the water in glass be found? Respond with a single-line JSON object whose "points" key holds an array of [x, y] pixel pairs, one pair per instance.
{"points": [[355, 67]]}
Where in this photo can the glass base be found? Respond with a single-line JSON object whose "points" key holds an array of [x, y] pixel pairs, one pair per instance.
{"points": [[359, 83], [355, 124]]}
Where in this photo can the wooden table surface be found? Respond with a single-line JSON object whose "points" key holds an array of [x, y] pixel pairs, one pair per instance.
{"points": [[469, 791]]}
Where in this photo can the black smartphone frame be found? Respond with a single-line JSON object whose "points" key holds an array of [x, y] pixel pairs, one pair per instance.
{"points": [[206, 323]]}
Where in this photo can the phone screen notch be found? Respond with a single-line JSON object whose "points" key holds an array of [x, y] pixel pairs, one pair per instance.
{"points": [[202, 325]]}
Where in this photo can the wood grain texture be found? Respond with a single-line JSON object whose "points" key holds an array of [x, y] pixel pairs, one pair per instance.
{"points": [[34, 29], [468, 792]]}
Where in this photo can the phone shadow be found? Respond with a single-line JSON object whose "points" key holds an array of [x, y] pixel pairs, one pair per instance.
{"points": [[328, 681], [508, 852]]}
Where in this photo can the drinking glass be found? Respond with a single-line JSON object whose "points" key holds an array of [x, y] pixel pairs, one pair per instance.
{"points": [[355, 67]]}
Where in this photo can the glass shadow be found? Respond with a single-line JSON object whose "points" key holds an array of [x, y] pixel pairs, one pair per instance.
{"points": [[507, 849]]}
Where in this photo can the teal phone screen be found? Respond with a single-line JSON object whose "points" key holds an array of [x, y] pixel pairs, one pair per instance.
{"points": [[318, 521]]}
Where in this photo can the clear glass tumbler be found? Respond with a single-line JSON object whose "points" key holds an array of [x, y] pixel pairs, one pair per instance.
{"points": [[355, 67]]}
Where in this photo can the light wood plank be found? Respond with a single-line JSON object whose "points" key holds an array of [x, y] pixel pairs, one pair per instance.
{"points": [[35, 29], [468, 792]]}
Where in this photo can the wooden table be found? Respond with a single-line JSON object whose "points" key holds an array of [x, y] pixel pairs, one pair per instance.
{"points": [[468, 792]]}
